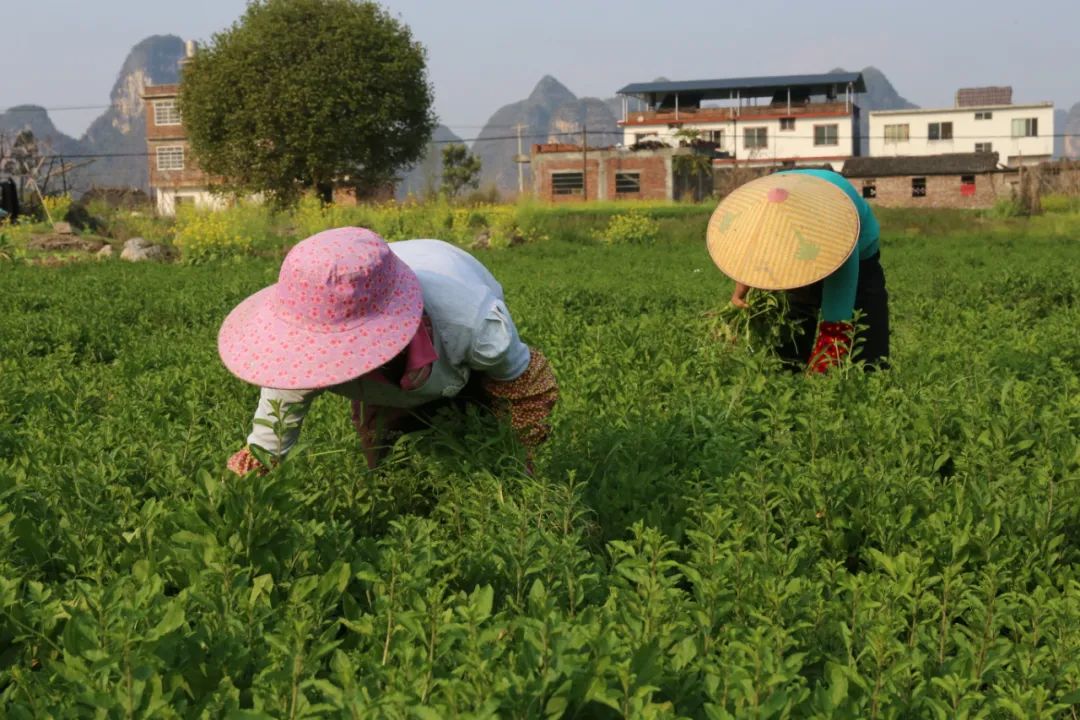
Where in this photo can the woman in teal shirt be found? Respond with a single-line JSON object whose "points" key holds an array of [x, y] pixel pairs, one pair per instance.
{"points": [[857, 284]]}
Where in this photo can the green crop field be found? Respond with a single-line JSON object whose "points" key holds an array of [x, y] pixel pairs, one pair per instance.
{"points": [[704, 537]]}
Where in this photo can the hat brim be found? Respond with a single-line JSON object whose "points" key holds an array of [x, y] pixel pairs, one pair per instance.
{"points": [[779, 245], [259, 347]]}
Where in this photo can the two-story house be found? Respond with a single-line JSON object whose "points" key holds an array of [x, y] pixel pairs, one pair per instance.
{"points": [[983, 120], [792, 120]]}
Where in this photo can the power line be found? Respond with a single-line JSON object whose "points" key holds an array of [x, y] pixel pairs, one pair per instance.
{"points": [[32, 109], [35, 109], [545, 136]]}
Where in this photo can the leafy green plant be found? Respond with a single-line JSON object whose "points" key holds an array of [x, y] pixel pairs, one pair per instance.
{"points": [[702, 537], [630, 228], [7, 248]]}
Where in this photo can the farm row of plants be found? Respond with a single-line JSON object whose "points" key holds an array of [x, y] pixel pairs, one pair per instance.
{"points": [[250, 229], [246, 229], [704, 536]]}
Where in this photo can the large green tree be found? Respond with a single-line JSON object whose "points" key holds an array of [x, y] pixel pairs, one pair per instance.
{"points": [[303, 94]]}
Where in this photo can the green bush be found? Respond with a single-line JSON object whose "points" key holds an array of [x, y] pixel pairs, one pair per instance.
{"points": [[1006, 208], [1061, 203], [702, 536], [630, 228], [203, 235]]}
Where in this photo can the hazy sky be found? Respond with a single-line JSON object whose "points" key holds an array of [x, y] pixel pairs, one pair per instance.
{"points": [[486, 53]]}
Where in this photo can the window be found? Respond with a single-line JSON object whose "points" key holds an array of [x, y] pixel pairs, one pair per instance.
{"points": [[869, 189], [567, 183], [170, 158], [984, 147], [918, 187], [967, 185], [984, 115], [755, 138], [716, 136], [897, 133], [787, 123], [826, 135], [939, 131], [1025, 127], [628, 182], [166, 112]]}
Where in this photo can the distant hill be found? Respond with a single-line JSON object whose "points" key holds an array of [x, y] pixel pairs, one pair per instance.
{"points": [[550, 113], [120, 130], [36, 119]]}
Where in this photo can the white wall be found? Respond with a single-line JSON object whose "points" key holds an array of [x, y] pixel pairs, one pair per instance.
{"points": [[797, 143], [202, 199], [967, 131]]}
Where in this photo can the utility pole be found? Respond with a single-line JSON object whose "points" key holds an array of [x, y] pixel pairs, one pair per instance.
{"points": [[584, 162], [520, 159]]}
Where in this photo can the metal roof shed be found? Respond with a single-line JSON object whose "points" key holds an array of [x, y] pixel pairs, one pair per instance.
{"points": [[691, 93]]}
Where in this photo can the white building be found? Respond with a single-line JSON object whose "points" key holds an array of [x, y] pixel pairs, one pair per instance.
{"points": [[790, 120], [983, 120]]}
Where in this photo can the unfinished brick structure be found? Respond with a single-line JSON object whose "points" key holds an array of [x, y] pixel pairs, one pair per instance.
{"points": [[564, 173], [959, 180]]}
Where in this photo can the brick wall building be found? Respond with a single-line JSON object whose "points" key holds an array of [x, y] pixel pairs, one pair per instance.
{"points": [[569, 173], [175, 178], [959, 180]]}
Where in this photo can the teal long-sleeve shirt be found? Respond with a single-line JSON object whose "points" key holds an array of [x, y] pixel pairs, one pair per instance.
{"points": [[838, 289]]}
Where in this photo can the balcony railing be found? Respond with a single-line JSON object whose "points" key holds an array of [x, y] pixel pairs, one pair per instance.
{"points": [[726, 114]]}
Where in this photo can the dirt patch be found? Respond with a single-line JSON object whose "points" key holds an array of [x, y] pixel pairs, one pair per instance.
{"points": [[64, 243]]}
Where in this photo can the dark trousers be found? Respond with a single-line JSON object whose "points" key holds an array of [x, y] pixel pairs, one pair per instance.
{"points": [[871, 301]]}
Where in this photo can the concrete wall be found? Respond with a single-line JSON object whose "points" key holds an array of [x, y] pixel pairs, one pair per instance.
{"points": [[967, 131], [168, 199], [792, 143]]}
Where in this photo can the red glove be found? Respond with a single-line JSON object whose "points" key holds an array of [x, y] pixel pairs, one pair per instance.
{"points": [[833, 344], [244, 462]]}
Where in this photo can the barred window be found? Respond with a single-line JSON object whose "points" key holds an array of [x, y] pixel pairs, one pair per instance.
{"points": [[166, 112], [170, 158], [567, 183], [628, 182], [918, 187]]}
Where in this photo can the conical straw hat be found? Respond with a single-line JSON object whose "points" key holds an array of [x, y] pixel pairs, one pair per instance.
{"points": [[783, 231]]}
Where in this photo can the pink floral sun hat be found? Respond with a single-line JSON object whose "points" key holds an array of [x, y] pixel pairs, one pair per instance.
{"points": [[343, 305]]}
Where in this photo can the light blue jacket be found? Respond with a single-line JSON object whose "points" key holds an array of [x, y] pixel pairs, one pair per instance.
{"points": [[471, 330]]}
